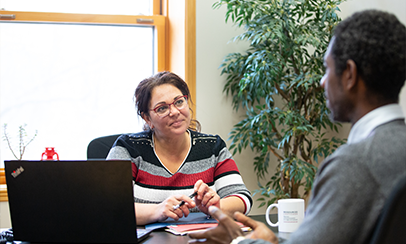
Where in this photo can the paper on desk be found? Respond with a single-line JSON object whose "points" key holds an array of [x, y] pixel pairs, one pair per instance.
{"points": [[189, 228], [192, 218]]}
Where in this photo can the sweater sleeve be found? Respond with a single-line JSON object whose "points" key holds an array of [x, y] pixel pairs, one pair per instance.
{"points": [[120, 149], [228, 180]]}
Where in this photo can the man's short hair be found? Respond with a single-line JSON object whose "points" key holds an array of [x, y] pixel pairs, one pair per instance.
{"points": [[376, 42]]}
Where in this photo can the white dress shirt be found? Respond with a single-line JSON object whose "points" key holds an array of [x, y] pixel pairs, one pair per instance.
{"points": [[363, 128]]}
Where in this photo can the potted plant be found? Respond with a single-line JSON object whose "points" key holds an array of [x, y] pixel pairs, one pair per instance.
{"points": [[23, 141], [277, 82]]}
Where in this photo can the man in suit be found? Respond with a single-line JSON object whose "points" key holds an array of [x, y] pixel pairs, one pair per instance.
{"points": [[365, 72]]}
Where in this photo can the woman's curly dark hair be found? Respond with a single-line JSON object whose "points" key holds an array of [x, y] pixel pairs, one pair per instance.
{"points": [[143, 91], [376, 42]]}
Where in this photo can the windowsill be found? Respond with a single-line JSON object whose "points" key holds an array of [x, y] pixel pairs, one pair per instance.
{"points": [[3, 187], [3, 193]]}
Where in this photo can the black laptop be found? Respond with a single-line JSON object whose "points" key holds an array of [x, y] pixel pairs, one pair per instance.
{"points": [[71, 201]]}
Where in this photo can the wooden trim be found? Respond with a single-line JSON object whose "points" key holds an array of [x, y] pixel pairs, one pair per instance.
{"points": [[156, 7], [190, 49], [176, 36], [3, 186], [161, 35], [83, 18], [2, 176], [3, 193], [161, 47], [181, 41], [168, 33]]}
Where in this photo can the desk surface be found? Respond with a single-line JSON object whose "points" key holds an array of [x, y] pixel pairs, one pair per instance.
{"points": [[161, 236]]}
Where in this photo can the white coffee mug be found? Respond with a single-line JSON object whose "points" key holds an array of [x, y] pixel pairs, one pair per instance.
{"points": [[290, 214]]}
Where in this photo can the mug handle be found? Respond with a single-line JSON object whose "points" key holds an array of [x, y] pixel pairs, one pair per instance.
{"points": [[274, 205]]}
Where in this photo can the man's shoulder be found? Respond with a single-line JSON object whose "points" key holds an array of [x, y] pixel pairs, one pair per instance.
{"points": [[395, 128], [375, 158], [388, 135]]}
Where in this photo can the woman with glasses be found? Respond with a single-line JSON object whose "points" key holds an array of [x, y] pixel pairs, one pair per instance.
{"points": [[172, 159]]}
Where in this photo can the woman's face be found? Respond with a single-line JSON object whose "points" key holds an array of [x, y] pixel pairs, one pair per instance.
{"points": [[177, 121]]}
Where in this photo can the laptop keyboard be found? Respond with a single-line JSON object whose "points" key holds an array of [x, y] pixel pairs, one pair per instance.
{"points": [[6, 236], [142, 234]]}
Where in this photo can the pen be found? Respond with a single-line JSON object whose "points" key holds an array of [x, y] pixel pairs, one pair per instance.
{"points": [[183, 202]]}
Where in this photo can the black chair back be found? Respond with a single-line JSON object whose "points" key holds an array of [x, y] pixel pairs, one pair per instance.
{"points": [[99, 148], [391, 225]]}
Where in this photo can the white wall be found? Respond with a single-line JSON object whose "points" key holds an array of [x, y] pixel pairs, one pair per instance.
{"points": [[213, 109], [4, 215]]}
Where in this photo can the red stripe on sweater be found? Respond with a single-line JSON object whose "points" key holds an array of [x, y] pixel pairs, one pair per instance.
{"points": [[184, 180], [177, 180], [225, 166]]}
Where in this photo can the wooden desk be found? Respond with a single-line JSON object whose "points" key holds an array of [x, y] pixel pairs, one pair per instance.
{"points": [[161, 236], [164, 237]]}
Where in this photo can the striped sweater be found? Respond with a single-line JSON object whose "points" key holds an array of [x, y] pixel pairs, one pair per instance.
{"points": [[208, 160]]}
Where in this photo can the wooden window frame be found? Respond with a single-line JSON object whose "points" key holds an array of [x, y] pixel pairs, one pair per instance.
{"points": [[175, 31]]}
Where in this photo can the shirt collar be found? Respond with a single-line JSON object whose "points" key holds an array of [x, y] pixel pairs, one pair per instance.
{"points": [[363, 127]]}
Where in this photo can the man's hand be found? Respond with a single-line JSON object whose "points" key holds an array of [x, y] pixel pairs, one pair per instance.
{"points": [[225, 232], [228, 229], [259, 229]]}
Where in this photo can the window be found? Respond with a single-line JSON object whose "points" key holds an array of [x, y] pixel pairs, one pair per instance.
{"points": [[116, 7], [72, 76]]}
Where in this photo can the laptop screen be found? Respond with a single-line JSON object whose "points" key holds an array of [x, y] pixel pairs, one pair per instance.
{"points": [[71, 201]]}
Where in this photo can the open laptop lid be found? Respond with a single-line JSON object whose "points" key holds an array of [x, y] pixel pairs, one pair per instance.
{"points": [[71, 201]]}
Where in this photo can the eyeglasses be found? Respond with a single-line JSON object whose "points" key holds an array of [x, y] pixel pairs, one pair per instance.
{"points": [[164, 109]]}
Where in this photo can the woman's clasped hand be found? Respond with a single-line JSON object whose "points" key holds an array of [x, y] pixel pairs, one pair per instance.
{"points": [[205, 197]]}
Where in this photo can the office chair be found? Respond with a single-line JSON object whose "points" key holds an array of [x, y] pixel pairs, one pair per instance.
{"points": [[390, 226], [99, 147]]}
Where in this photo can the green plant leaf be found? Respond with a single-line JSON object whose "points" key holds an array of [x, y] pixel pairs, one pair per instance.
{"points": [[276, 81]]}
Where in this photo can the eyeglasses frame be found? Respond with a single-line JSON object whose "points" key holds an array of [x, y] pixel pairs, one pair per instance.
{"points": [[173, 103]]}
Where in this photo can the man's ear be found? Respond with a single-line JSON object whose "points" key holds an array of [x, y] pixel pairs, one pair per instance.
{"points": [[350, 75]]}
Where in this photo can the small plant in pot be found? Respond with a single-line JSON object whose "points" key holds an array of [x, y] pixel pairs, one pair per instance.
{"points": [[23, 141]]}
